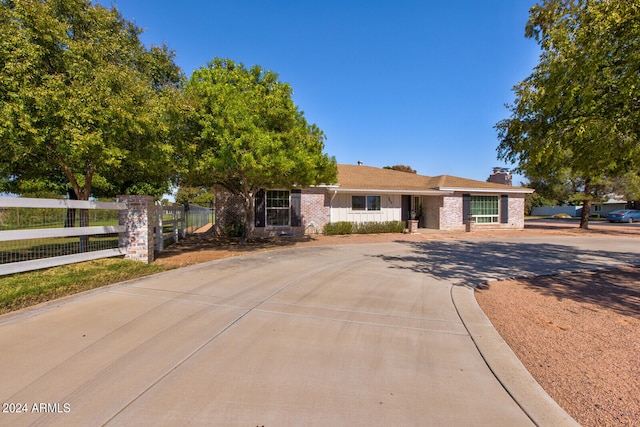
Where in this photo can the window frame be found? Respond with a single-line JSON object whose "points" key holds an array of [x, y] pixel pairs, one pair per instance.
{"points": [[277, 210], [371, 203], [484, 209]]}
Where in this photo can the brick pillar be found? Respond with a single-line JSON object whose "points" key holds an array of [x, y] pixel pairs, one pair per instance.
{"points": [[138, 218]]}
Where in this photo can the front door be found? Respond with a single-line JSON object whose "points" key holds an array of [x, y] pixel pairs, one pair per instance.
{"points": [[406, 208]]}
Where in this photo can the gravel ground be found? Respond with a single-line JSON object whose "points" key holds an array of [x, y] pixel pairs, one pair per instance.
{"points": [[578, 334]]}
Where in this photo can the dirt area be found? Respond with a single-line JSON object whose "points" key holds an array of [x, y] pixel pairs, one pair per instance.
{"points": [[578, 334]]}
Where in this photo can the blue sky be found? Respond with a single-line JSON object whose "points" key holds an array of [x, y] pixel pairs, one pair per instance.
{"points": [[419, 83]]}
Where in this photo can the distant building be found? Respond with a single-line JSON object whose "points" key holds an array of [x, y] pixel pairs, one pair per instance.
{"points": [[501, 176]]}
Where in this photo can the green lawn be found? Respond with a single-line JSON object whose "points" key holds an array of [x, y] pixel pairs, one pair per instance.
{"points": [[26, 289]]}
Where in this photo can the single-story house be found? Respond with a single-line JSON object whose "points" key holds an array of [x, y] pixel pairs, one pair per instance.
{"points": [[611, 204], [370, 194]]}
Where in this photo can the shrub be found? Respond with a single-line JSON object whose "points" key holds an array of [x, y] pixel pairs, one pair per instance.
{"points": [[232, 226], [344, 227]]}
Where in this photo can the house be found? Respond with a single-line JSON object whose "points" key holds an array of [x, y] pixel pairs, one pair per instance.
{"points": [[370, 194], [613, 203]]}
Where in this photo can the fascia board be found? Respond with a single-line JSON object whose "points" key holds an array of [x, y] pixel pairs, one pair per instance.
{"points": [[388, 191], [488, 190]]}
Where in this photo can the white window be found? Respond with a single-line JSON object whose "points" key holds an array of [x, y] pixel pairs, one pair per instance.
{"points": [[484, 209], [278, 208], [365, 203]]}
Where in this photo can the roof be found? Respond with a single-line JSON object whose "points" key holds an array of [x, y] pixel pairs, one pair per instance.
{"points": [[354, 178]]}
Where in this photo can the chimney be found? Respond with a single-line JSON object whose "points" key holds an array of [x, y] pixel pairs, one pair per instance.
{"points": [[501, 176]]}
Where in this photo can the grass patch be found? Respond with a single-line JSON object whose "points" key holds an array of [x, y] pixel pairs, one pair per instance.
{"points": [[26, 289]]}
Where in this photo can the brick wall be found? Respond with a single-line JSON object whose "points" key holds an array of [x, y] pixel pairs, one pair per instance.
{"points": [[138, 218], [451, 213], [516, 211], [316, 209]]}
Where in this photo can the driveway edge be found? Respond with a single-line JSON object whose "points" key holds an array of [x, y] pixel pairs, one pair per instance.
{"points": [[505, 365]]}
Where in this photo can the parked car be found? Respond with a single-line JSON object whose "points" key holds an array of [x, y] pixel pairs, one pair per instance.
{"points": [[625, 215]]}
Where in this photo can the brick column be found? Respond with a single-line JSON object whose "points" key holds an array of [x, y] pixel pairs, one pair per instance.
{"points": [[138, 218]]}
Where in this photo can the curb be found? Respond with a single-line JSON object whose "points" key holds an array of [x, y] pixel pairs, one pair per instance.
{"points": [[505, 365]]}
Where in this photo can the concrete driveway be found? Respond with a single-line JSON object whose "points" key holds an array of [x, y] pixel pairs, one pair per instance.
{"points": [[357, 335]]}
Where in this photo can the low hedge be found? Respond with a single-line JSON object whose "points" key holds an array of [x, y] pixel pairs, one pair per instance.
{"points": [[344, 227]]}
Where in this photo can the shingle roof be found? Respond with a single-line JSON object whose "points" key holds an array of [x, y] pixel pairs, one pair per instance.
{"points": [[369, 178], [359, 177]]}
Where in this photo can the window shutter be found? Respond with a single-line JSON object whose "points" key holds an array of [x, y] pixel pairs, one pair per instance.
{"points": [[296, 208], [259, 209], [466, 207], [504, 209]]}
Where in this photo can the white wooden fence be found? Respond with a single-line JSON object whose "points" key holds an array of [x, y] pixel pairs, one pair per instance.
{"points": [[169, 224], [36, 245], [22, 234]]}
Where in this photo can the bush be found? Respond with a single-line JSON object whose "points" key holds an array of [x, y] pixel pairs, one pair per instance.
{"points": [[232, 226], [344, 227], [341, 227]]}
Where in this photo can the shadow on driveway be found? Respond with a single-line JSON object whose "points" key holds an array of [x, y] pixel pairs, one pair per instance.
{"points": [[617, 290], [474, 263]]}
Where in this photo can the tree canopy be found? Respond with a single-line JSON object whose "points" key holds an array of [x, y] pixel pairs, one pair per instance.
{"points": [[83, 104], [578, 114], [402, 168], [201, 196], [250, 134]]}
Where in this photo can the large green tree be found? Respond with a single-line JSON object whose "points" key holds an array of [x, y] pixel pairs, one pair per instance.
{"points": [[251, 135], [201, 196], [578, 113], [85, 107]]}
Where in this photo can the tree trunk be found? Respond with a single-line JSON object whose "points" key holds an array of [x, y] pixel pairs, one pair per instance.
{"points": [[584, 216], [84, 220], [248, 217], [70, 220]]}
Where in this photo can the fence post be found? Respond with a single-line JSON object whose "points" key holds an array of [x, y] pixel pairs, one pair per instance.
{"points": [[176, 236], [138, 218], [158, 211], [183, 221]]}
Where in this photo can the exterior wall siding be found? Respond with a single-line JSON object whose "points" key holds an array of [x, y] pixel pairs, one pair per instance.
{"points": [[390, 209]]}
